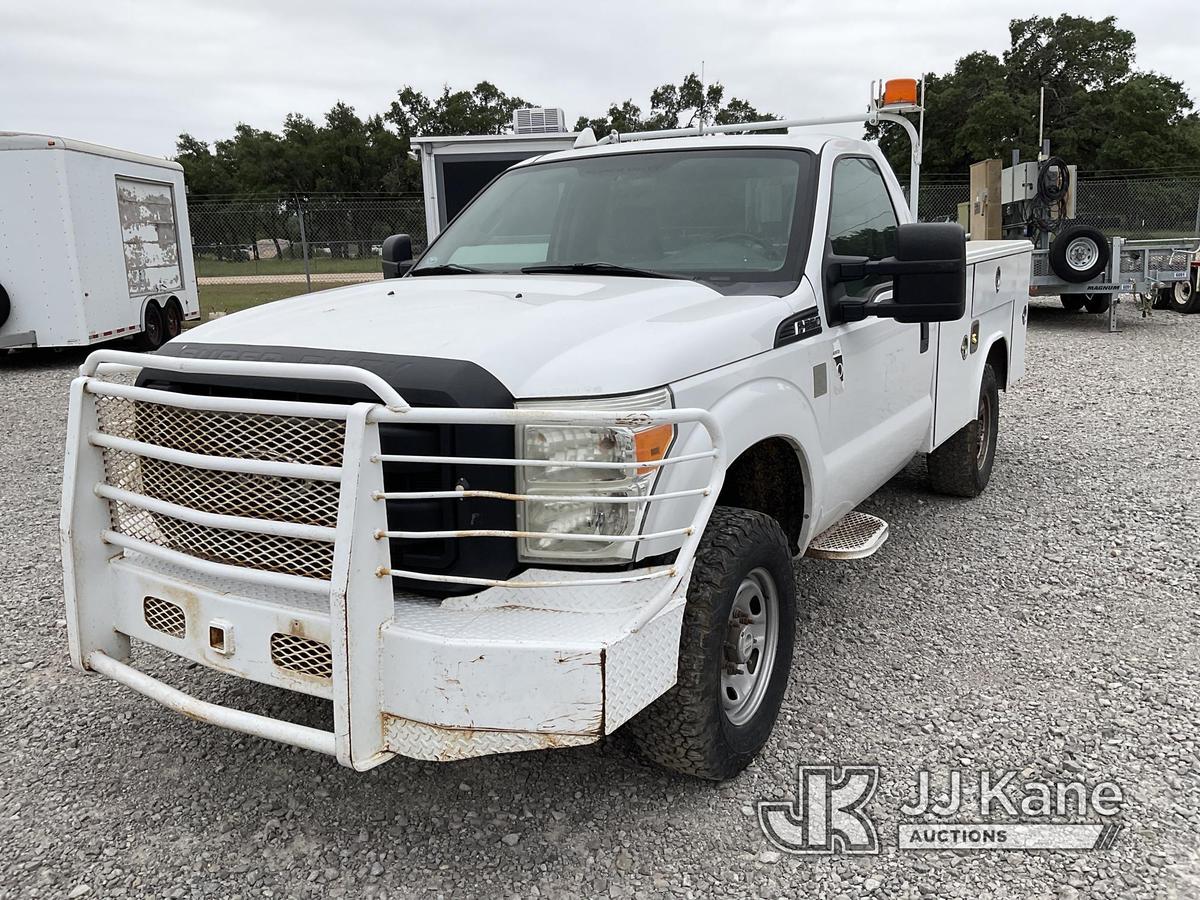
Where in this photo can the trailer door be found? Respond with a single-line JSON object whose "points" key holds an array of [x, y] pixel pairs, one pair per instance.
{"points": [[149, 235]]}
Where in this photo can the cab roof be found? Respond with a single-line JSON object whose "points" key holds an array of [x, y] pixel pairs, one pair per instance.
{"points": [[807, 141]]}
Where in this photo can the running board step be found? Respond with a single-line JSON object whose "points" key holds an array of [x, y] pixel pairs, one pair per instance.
{"points": [[855, 536]]}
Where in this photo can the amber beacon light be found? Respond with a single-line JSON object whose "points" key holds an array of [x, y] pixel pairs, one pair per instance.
{"points": [[900, 92]]}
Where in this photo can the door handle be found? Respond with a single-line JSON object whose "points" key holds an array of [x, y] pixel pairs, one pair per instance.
{"points": [[924, 336]]}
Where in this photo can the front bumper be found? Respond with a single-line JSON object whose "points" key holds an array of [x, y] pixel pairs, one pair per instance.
{"points": [[547, 659]]}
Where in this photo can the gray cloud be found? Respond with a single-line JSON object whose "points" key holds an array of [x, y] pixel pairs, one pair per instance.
{"points": [[135, 75]]}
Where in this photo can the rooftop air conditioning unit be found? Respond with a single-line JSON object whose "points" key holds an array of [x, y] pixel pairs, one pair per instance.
{"points": [[538, 120]]}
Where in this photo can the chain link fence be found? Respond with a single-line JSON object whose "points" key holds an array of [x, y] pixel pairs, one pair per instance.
{"points": [[246, 239], [319, 238], [1147, 207]]}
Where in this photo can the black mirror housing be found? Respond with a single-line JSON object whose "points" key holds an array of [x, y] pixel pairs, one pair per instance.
{"points": [[397, 255], [929, 275]]}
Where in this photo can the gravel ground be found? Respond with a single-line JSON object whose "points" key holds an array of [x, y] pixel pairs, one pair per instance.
{"points": [[1049, 626]]}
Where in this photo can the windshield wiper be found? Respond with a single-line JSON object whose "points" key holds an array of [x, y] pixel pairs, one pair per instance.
{"points": [[447, 269], [593, 268]]}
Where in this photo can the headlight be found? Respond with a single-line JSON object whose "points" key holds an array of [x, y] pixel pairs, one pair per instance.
{"points": [[569, 445]]}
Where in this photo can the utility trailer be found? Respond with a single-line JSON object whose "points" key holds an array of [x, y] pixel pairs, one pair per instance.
{"points": [[1160, 273], [95, 245], [1073, 260]]}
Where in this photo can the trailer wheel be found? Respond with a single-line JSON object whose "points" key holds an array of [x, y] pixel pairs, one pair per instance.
{"points": [[962, 466], [172, 319], [153, 327], [1079, 253], [1097, 303], [5, 305], [1182, 298], [735, 651], [1071, 302]]}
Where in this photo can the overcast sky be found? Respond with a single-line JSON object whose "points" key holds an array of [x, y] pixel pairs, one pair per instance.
{"points": [[134, 75]]}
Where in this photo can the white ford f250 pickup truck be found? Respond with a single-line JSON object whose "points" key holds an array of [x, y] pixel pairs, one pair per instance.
{"points": [[551, 481]]}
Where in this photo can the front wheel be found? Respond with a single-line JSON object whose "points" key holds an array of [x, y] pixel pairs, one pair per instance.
{"points": [[735, 652], [962, 465]]}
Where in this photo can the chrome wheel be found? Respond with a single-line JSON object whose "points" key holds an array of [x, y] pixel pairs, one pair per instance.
{"points": [[751, 639], [1082, 253]]}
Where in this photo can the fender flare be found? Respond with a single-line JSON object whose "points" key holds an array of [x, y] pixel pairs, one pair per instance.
{"points": [[742, 413]]}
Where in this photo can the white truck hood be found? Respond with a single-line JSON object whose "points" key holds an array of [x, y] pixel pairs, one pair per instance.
{"points": [[540, 335]]}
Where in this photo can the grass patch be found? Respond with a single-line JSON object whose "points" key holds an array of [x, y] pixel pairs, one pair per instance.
{"points": [[229, 298], [207, 268]]}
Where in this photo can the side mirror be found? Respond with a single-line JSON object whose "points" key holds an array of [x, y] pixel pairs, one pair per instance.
{"points": [[929, 275], [397, 255]]}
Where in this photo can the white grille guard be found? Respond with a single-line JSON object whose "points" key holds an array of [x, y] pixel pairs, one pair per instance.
{"points": [[360, 591]]}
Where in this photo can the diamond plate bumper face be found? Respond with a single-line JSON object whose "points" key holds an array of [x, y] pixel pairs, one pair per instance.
{"points": [[230, 533]]}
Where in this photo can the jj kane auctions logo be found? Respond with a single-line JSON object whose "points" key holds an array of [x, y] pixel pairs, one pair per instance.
{"points": [[830, 813]]}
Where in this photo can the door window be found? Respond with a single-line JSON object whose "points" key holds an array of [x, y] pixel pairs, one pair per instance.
{"points": [[862, 220]]}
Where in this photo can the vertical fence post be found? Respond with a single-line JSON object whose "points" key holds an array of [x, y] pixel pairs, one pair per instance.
{"points": [[303, 243], [1197, 230]]}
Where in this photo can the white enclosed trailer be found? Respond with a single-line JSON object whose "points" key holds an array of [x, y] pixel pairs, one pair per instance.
{"points": [[94, 245]]}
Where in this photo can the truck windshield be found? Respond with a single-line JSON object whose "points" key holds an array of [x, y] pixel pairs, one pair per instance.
{"points": [[732, 216]]}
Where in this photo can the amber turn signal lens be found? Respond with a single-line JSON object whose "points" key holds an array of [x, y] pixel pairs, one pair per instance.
{"points": [[651, 445]]}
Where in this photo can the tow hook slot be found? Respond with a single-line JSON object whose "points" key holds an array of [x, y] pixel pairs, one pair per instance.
{"points": [[220, 637]]}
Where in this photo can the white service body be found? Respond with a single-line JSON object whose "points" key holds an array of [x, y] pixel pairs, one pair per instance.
{"points": [[89, 235], [512, 666]]}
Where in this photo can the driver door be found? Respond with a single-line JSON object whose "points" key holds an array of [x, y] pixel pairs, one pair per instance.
{"points": [[881, 371]]}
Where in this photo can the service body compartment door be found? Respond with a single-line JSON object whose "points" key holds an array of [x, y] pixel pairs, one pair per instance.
{"points": [[1020, 321], [956, 392], [998, 292]]}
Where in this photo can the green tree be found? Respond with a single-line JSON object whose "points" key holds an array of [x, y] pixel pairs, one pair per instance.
{"points": [[674, 106], [1099, 111], [484, 109]]}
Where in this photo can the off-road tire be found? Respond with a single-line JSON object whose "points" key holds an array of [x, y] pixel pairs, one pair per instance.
{"points": [[1097, 303], [1072, 302], [956, 467], [153, 328], [686, 730]]}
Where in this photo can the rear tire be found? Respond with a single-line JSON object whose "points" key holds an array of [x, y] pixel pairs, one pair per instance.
{"points": [[720, 712], [172, 319], [1097, 303], [962, 466], [1072, 302], [1182, 298], [153, 327]]}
